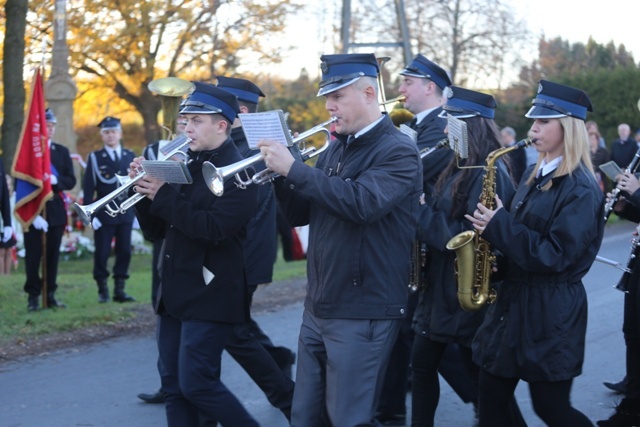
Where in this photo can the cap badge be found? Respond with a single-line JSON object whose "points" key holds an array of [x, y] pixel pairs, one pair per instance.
{"points": [[324, 66]]}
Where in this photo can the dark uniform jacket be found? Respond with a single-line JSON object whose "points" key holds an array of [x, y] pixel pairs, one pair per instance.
{"points": [[361, 203], [439, 316], [260, 247], [56, 210], [5, 199], [535, 330], [430, 132], [203, 233], [622, 153], [100, 179]]}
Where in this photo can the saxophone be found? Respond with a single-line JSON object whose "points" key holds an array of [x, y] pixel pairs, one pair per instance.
{"points": [[474, 259]]}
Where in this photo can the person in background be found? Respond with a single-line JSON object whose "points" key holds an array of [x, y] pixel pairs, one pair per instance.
{"points": [[624, 148], [439, 320], [7, 240], [517, 158], [360, 201], [593, 126], [549, 234], [268, 365], [599, 155], [422, 85], [99, 180], [628, 410], [47, 229], [203, 290]]}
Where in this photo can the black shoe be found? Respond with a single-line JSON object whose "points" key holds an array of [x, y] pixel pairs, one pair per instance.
{"points": [[52, 302], [619, 387], [103, 291], [123, 297], [157, 397], [392, 419], [33, 304], [627, 415]]}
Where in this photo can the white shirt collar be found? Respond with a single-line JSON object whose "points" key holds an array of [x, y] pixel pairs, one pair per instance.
{"points": [[110, 151], [546, 168], [422, 114], [368, 128]]}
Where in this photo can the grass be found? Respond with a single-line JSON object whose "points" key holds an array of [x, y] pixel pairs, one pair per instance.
{"points": [[78, 290]]}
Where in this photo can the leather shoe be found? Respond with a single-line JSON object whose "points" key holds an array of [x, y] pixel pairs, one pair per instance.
{"points": [[391, 419], [123, 297], [32, 303], [52, 302], [619, 387], [157, 397]]}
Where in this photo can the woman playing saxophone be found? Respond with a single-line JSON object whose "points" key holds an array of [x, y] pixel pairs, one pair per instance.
{"points": [[550, 234], [439, 320]]}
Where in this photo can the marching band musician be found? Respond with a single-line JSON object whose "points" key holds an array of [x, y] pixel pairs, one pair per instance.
{"points": [[267, 364], [203, 290], [99, 180], [360, 201], [628, 410], [550, 235], [439, 320]]}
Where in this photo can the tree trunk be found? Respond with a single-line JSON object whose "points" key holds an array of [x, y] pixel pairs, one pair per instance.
{"points": [[13, 82]]}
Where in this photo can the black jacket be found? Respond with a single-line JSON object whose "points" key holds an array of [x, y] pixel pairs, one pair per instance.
{"points": [[430, 132], [5, 199], [438, 315], [202, 233], [361, 203], [260, 246], [56, 210], [535, 330]]}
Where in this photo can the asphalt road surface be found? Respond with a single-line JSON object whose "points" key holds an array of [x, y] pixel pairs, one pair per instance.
{"points": [[97, 385]]}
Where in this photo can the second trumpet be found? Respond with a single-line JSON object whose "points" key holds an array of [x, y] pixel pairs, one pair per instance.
{"points": [[216, 177]]}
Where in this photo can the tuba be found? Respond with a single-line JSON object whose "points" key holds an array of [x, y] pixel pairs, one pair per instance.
{"points": [[474, 259]]}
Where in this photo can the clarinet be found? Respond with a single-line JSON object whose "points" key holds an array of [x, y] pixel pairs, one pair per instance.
{"points": [[615, 194], [623, 284]]}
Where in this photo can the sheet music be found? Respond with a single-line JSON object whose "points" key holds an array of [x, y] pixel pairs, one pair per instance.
{"points": [[168, 171], [265, 125], [458, 141], [611, 169]]}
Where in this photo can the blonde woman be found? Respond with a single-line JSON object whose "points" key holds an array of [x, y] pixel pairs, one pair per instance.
{"points": [[550, 233]]}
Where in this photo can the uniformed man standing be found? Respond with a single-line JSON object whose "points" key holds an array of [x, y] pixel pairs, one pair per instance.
{"points": [[47, 229], [100, 179]]}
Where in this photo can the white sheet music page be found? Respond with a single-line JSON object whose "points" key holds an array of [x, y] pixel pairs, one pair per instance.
{"points": [[265, 125]]}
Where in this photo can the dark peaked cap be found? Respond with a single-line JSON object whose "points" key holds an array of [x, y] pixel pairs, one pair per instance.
{"points": [[49, 116], [464, 103], [555, 100], [245, 90], [343, 69], [209, 99], [423, 68], [109, 123]]}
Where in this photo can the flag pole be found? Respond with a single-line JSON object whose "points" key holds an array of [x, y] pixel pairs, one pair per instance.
{"points": [[43, 241]]}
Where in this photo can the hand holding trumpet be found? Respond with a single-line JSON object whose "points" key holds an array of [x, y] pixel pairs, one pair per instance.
{"points": [[276, 157], [147, 186]]}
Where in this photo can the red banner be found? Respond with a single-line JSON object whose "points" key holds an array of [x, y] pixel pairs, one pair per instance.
{"points": [[31, 165]]}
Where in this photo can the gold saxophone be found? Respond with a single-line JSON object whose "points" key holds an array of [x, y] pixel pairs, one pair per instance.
{"points": [[474, 259]]}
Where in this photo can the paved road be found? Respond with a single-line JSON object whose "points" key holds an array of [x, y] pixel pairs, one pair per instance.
{"points": [[97, 385]]}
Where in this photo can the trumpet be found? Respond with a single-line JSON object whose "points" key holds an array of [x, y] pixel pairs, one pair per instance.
{"points": [[216, 177], [110, 201], [400, 98]]}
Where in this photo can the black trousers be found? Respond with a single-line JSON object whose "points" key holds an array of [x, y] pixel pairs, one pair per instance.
{"points": [[631, 329], [102, 239], [33, 257], [190, 366], [550, 402]]}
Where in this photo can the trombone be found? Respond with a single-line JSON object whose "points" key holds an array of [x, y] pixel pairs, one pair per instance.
{"points": [[216, 177]]}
